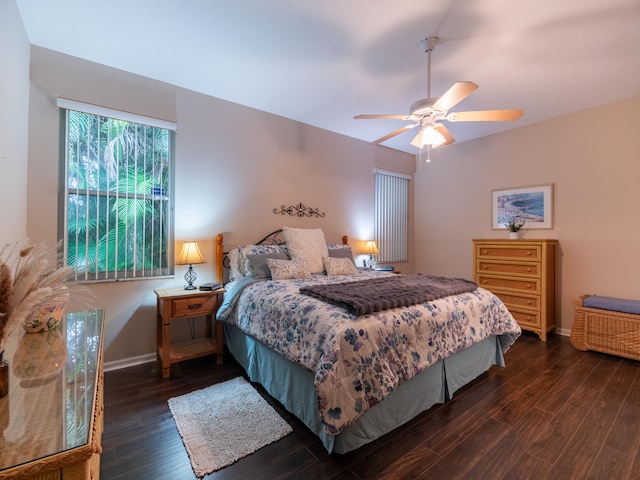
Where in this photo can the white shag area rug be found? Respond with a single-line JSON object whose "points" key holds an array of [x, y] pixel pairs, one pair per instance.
{"points": [[224, 422]]}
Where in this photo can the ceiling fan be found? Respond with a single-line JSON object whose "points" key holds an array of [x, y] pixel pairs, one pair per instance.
{"points": [[427, 112]]}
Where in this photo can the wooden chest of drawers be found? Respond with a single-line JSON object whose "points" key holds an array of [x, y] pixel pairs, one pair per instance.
{"points": [[522, 274]]}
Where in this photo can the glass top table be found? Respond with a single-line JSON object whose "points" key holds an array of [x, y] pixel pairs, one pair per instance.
{"points": [[52, 388]]}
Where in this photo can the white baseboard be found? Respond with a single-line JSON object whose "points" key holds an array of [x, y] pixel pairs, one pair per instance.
{"points": [[129, 362]]}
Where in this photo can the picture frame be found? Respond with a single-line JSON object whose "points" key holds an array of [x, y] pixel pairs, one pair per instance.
{"points": [[532, 206]]}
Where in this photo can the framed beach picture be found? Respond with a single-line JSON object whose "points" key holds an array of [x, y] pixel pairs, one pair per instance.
{"points": [[532, 206]]}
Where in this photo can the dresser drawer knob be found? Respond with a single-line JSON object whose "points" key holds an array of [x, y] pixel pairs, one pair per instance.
{"points": [[528, 270], [528, 253], [196, 306]]}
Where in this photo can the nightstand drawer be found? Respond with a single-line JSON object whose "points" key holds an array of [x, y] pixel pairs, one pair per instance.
{"points": [[524, 269], [516, 252], [507, 283], [185, 307]]}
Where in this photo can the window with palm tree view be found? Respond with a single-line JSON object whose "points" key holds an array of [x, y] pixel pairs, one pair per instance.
{"points": [[117, 198]]}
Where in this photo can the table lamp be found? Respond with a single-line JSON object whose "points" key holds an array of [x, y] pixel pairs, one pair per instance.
{"points": [[190, 255], [371, 249]]}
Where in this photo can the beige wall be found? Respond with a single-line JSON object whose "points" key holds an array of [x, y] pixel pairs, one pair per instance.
{"points": [[14, 101], [234, 165], [593, 160]]}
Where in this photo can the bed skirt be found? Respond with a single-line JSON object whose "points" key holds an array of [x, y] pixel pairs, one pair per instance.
{"points": [[292, 386]]}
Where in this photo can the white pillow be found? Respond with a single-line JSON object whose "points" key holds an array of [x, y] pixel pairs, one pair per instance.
{"points": [[308, 244], [288, 269], [235, 266], [339, 266]]}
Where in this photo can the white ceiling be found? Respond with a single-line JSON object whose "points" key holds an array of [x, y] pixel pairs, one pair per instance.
{"points": [[322, 62]]}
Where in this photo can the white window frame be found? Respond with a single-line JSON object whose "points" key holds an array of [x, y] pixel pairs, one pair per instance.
{"points": [[158, 227]]}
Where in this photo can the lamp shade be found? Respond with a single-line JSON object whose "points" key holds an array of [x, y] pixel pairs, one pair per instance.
{"points": [[190, 254], [370, 248], [429, 135]]}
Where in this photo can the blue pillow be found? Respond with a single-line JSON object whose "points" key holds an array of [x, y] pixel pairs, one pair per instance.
{"points": [[341, 253], [258, 262], [615, 304]]}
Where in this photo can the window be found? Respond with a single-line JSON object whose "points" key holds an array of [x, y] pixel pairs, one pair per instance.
{"points": [[391, 215], [116, 206]]}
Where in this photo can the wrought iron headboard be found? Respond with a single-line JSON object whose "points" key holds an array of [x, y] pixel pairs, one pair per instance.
{"points": [[274, 238]]}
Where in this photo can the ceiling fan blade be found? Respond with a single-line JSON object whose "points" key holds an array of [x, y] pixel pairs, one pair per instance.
{"points": [[458, 92], [445, 133], [485, 116], [391, 117], [396, 132]]}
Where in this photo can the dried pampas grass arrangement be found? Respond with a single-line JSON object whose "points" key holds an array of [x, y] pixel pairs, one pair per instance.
{"points": [[31, 279]]}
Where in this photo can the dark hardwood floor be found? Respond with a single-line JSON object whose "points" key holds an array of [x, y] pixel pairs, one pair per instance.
{"points": [[552, 413]]}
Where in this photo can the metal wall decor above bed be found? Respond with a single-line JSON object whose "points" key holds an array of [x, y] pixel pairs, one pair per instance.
{"points": [[299, 210]]}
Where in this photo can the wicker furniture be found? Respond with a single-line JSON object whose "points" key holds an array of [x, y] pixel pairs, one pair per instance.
{"points": [[606, 331], [51, 422], [522, 274], [178, 303]]}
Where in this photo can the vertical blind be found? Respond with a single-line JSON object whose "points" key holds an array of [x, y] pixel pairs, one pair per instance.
{"points": [[391, 215], [117, 200]]}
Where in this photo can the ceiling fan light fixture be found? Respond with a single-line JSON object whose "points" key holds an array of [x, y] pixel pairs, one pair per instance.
{"points": [[417, 140], [432, 137], [428, 136]]}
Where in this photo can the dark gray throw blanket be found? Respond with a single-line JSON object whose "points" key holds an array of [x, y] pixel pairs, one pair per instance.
{"points": [[376, 294]]}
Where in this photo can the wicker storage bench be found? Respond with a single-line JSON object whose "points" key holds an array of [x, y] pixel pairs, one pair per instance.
{"points": [[606, 330]]}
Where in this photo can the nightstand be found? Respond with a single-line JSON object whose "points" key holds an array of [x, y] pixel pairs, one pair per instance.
{"points": [[176, 304]]}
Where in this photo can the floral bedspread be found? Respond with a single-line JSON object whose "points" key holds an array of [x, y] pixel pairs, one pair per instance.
{"points": [[358, 361]]}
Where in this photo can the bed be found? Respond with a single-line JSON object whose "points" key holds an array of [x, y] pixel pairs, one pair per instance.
{"points": [[351, 378]]}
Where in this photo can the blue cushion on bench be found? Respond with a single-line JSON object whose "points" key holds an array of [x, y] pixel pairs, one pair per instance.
{"points": [[615, 304]]}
